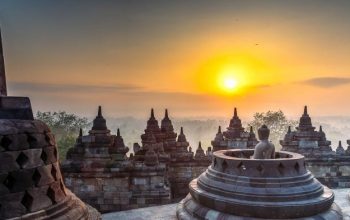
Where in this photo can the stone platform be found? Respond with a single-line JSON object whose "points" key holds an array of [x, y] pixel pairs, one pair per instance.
{"points": [[168, 212]]}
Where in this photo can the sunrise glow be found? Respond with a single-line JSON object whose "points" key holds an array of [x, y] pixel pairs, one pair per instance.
{"points": [[230, 83]]}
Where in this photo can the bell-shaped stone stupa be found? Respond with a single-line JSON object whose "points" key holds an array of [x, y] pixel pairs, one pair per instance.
{"points": [[31, 184], [237, 186]]}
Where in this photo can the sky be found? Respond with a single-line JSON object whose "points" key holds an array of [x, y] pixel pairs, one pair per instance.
{"points": [[196, 58]]}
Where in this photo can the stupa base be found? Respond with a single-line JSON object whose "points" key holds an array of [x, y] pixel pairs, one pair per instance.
{"points": [[70, 208], [189, 209]]}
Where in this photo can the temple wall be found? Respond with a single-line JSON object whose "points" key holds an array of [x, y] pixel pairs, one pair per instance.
{"points": [[118, 191], [105, 194], [147, 187], [180, 175], [332, 173]]}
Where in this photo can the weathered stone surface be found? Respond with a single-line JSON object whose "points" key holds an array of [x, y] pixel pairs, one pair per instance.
{"points": [[8, 161], [176, 154], [169, 211], [27, 190], [329, 167], [99, 172], [236, 186], [14, 142], [11, 205]]}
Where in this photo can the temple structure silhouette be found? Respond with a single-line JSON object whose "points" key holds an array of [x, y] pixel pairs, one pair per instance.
{"points": [[98, 170]]}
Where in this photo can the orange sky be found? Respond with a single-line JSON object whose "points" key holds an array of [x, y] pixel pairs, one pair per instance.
{"points": [[130, 56]]}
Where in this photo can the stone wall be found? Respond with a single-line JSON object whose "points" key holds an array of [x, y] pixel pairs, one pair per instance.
{"points": [[332, 172], [148, 186], [105, 193], [180, 175]]}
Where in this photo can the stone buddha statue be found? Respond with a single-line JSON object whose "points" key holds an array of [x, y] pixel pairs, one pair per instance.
{"points": [[264, 149]]}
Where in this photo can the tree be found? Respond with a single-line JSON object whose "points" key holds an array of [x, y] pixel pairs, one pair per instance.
{"points": [[276, 121], [65, 126]]}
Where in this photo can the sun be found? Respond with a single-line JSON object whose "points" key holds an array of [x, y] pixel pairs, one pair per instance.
{"points": [[230, 83]]}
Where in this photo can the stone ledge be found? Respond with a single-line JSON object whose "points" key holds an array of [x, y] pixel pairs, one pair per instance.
{"points": [[168, 212]]}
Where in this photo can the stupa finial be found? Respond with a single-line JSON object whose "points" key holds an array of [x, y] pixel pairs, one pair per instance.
{"points": [[152, 113], [305, 110], [289, 129], [3, 88], [182, 130], [219, 130], [99, 114], [235, 112], [118, 132], [321, 128], [166, 113]]}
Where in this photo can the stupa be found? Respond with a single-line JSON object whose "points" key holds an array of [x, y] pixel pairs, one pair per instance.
{"points": [[347, 151], [31, 186], [181, 163], [98, 170], [156, 138], [235, 137], [306, 141], [328, 166], [236, 186]]}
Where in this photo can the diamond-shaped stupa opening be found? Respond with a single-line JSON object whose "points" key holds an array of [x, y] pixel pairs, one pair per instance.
{"points": [[22, 159], [43, 156], [36, 177], [9, 181], [297, 167], [5, 142], [260, 168], [51, 195], [32, 141], [27, 200]]}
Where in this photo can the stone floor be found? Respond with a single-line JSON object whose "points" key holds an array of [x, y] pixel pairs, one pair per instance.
{"points": [[342, 199], [167, 212], [163, 212]]}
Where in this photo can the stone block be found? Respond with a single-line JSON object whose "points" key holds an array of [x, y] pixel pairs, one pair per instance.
{"points": [[40, 200], [3, 189], [50, 138], [8, 161], [37, 140], [40, 126], [30, 158], [26, 126], [141, 201], [139, 181], [19, 180], [43, 176], [49, 155], [7, 127], [55, 171], [11, 202], [55, 192], [15, 142]]}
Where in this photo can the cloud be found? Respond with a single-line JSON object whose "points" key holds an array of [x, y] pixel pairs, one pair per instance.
{"points": [[71, 88], [327, 82]]}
